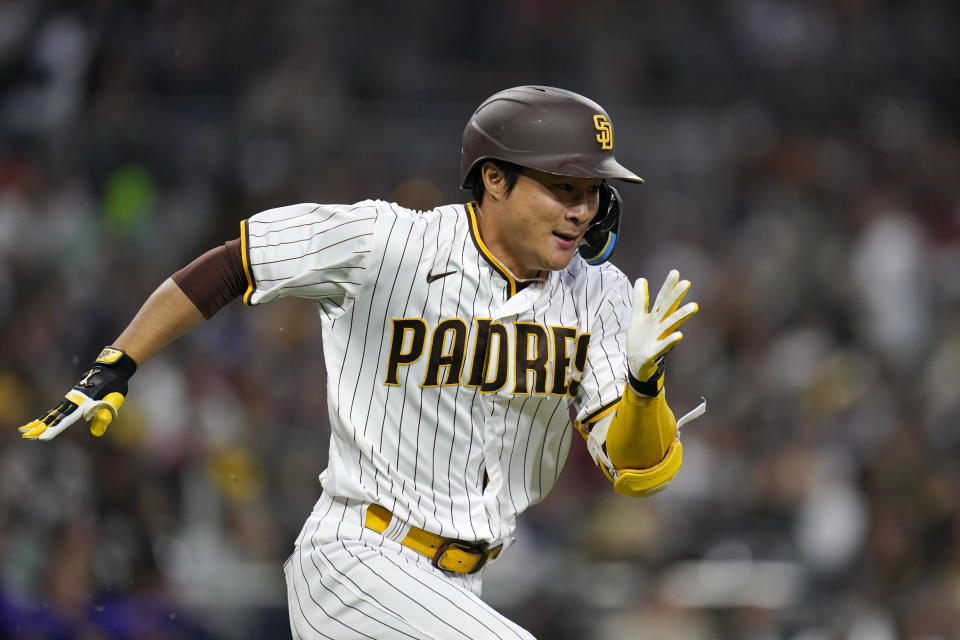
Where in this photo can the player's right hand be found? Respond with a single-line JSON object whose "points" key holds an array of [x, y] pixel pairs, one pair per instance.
{"points": [[96, 398]]}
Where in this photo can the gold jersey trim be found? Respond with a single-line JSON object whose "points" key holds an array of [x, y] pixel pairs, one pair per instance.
{"points": [[245, 254], [482, 248], [587, 422]]}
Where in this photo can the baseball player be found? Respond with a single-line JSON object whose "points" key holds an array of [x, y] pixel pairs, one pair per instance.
{"points": [[461, 345]]}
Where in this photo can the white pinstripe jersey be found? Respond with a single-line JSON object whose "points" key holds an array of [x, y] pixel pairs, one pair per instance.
{"points": [[450, 392]]}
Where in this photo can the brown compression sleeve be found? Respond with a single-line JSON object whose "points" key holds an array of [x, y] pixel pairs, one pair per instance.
{"points": [[213, 279]]}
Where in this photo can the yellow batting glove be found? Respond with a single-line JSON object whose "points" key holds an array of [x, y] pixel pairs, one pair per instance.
{"points": [[96, 398], [652, 333]]}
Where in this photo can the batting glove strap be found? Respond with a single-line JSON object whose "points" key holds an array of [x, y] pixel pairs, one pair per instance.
{"points": [[651, 387], [110, 373]]}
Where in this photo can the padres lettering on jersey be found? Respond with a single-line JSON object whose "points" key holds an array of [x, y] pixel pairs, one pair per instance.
{"points": [[450, 387], [543, 354]]}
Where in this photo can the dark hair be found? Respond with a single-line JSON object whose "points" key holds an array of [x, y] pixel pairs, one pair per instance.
{"points": [[511, 172]]}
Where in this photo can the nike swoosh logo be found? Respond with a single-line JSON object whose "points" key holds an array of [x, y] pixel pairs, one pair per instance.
{"points": [[431, 277]]}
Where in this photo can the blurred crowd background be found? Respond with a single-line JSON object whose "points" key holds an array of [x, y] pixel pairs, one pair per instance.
{"points": [[803, 170]]}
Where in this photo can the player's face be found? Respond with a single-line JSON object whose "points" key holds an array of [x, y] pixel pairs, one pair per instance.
{"points": [[547, 217]]}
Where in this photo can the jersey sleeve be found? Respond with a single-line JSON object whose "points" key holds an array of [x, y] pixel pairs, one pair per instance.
{"points": [[605, 372], [318, 252]]}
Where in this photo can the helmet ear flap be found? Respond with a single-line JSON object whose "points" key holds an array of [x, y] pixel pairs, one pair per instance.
{"points": [[601, 236]]}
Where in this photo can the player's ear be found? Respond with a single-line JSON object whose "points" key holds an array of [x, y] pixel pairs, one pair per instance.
{"points": [[494, 180]]}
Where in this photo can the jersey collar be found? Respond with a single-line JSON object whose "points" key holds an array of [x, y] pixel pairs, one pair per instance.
{"points": [[513, 283]]}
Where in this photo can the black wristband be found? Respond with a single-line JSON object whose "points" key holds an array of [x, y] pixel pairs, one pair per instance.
{"points": [[650, 387]]}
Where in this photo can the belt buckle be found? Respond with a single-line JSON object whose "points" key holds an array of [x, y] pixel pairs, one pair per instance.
{"points": [[481, 548]]}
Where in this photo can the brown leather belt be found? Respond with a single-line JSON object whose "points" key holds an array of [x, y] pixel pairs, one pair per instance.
{"points": [[449, 554]]}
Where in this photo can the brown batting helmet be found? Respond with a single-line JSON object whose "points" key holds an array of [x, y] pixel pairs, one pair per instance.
{"points": [[544, 128]]}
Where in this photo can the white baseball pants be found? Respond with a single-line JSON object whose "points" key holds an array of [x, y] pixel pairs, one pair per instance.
{"points": [[346, 582]]}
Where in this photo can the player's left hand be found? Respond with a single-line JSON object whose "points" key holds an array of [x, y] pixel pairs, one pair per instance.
{"points": [[653, 333], [96, 398]]}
